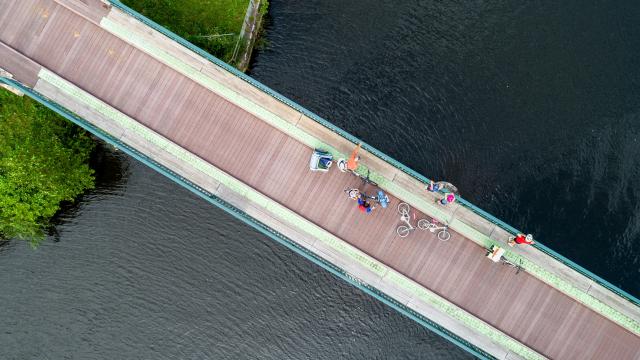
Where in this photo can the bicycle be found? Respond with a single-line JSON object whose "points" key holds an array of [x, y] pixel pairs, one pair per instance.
{"points": [[380, 198], [495, 251], [404, 230], [365, 179], [518, 266], [342, 165], [443, 234], [352, 193]]}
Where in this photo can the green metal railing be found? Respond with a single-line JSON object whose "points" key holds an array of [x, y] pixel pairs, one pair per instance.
{"points": [[241, 215], [487, 216]]}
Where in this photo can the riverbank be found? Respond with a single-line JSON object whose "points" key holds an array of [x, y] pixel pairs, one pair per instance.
{"points": [[226, 29]]}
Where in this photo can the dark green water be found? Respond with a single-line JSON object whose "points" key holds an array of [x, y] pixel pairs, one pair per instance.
{"points": [[531, 109]]}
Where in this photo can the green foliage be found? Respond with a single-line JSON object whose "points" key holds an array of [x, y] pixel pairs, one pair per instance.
{"points": [[198, 21], [43, 161], [261, 40], [264, 7]]}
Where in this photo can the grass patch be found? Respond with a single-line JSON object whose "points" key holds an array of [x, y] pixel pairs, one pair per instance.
{"points": [[205, 23]]}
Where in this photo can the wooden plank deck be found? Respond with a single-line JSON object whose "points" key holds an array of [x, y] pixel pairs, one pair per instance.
{"points": [[256, 153], [25, 71]]}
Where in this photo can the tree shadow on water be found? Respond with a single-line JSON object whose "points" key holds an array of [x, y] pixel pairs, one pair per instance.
{"points": [[111, 168]]}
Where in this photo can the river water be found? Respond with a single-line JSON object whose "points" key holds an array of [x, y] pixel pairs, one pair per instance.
{"points": [[531, 108]]}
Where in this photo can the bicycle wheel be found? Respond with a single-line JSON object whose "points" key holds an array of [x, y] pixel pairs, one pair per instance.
{"points": [[444, 235], [371, 182], [367, 180], [424, 224], [403, 231], [507, 262], [403, 208], [353, 194]]}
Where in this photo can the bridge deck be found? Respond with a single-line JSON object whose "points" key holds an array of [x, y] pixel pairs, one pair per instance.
{"points": [[277, 165]]}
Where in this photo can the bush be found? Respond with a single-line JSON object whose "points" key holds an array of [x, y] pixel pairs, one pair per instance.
{"points": [[43, 161]]}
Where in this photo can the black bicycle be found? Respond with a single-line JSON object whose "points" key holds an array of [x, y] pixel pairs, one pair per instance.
{"points": [[365, 178], [342, 165], [517, 266], [504, 261]]}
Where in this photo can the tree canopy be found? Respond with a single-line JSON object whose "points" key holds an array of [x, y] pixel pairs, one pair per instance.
{"points": [[43, 162]]}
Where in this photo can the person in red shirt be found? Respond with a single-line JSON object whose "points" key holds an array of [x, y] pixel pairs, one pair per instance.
{"points": [[521, 239]]}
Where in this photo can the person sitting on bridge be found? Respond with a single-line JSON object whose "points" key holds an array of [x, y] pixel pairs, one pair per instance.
{"points": [[433, 187], [448, 198], [521, 239]]}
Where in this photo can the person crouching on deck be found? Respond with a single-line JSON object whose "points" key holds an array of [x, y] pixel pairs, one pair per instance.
{"points": [[364, 206], [433, 187], [521, 239]]}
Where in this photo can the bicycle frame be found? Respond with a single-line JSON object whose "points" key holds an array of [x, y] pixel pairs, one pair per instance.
{"points": [[504, 261], [517, 266], [443, 234], [405, 217], [365, 179], [407, 220]]}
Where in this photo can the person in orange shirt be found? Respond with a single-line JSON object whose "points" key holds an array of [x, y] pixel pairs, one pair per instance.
{"points": [[352, 163]]}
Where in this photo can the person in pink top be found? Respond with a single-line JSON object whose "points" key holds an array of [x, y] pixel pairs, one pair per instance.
{"points": [[448, 198]]}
